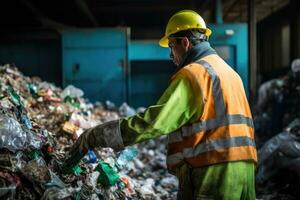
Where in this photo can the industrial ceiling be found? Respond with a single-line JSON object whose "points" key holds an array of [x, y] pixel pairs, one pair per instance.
{"points": [[141, 15]]}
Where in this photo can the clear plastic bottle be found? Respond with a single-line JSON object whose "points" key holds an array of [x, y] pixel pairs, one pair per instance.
{"points": [[125, 156]]}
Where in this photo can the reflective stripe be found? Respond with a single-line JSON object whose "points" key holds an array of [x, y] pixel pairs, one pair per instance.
{"points": [[175, 137], [216, 89], [174, 158], [216, 123], [207, 146], [218, 144]]}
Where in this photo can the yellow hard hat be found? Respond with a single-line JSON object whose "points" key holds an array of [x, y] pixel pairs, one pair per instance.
{"points": [[184, 20]]}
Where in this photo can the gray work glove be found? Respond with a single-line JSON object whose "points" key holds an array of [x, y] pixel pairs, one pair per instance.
{"points": [[103, 135]]}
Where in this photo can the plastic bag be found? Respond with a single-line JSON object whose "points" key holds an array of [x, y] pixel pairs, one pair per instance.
{"points": [[268, 154], [268, 90], [13, 137], [45, 86], [90, 157], [281, 151], [57, 193], [55, 181], [72, 92], [146, 191], [126, 110], [91, 179], [293, 126], [82, 122]]}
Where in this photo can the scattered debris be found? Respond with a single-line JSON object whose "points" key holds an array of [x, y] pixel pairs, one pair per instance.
{"points": [[39, 122], [278, 170]]}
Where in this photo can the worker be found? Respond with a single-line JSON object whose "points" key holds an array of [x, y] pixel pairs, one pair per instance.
{"points": [[205, 113]]}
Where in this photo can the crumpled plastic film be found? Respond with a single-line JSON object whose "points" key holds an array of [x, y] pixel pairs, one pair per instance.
{"points": [[13, 137], [71, 91]]}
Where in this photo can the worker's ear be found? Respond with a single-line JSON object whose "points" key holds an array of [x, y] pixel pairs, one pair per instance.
{"points": [[185, 43]]}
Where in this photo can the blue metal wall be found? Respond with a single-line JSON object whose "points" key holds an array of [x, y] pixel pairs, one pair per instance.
{"points": [[95, 60], [151, 70], [35, 53]]}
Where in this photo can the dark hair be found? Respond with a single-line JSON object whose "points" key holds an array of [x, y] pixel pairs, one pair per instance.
{"points": [[194, 36]]}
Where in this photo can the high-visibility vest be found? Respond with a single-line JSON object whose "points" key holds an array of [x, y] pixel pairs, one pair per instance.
{"points": [[224, 132]]}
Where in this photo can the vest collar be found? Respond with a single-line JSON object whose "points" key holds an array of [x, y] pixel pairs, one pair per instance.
{"points": [[196, 52]]}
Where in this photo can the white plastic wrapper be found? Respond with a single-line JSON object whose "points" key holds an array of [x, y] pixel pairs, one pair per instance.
{"points": [[71, 91], [280, 152], [13, 137], [126, 110]]}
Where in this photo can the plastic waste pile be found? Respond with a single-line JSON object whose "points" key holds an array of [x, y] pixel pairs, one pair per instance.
{"points": [[39, 122], [278, 105], [277, 127], [278, 171]]}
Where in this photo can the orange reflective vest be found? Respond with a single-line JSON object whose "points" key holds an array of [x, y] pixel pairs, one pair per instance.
{"points": [[224, 132]]}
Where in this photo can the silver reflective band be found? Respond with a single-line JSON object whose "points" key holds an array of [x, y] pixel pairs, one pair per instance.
{"points": [[211, 124], [216, 123], [175, 137], [218, 144], [216, 89], [207, 146], [174, 158]]}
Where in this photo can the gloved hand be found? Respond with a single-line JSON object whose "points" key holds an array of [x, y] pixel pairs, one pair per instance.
{"points": [[103, 135]]}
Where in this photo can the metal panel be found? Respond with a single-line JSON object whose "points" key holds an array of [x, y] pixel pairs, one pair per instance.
{"points": [[96, 60], [151, 70], [147, 50]]}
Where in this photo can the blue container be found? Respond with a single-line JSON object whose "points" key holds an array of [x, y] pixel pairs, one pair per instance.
{"points": [[96, 60]]}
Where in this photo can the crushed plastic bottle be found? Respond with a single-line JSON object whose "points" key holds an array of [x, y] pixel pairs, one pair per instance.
{"points": [[90, 157], [125, 156], [55, 181], [25, 120]]}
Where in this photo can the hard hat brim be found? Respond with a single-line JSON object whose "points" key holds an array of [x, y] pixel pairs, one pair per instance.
{"points": [[164, 42], [208, 32]]}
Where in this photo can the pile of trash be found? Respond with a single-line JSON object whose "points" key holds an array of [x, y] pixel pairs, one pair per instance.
{"points": [[278, 171], [39, 122], [277, 128], [278, 105]]}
